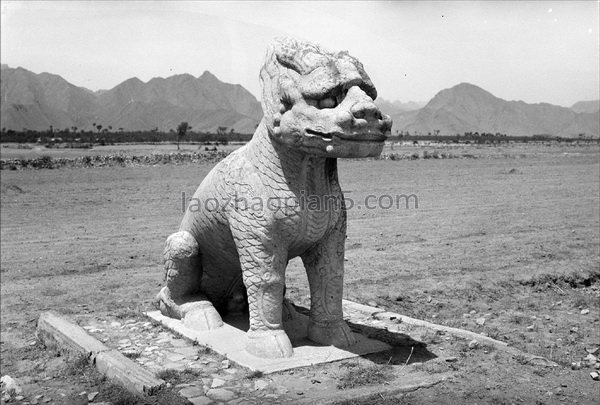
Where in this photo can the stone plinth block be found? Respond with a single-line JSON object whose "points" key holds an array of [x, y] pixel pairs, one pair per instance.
{"points": [[230, 340]]}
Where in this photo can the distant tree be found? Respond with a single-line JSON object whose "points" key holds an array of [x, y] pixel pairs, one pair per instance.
{"points": [[181, 131], [99, 127]]}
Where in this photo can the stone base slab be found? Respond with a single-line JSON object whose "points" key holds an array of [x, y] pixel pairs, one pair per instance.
{"points": [[229, 340]]}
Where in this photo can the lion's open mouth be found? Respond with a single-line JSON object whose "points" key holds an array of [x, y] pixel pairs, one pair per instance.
{"points": [[359, 137], [328, 137]]}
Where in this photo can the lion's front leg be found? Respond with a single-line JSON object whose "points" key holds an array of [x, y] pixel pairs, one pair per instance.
{"points": [[325, 269], [263, 270], [181, 297]]}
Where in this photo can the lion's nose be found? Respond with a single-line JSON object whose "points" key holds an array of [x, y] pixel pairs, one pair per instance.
{"points": [[365, 110], [363, 107]]}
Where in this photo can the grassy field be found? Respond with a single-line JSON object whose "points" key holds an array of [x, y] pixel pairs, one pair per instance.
{"points": [[512, 237]]}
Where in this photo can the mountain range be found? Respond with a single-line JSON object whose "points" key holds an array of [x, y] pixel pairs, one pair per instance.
{"points": [[38, 101], [468, 108]]}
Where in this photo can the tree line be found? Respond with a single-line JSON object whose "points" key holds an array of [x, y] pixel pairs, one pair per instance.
{"points": [[104, 137], [223, 135]]}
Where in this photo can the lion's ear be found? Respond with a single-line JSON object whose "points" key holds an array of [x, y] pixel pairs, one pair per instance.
{"points": [[285, 51]]}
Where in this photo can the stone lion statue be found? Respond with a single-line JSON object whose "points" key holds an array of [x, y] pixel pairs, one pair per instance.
{"points": [[254, 209]]}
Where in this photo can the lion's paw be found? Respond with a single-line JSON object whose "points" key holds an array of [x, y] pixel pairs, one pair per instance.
{"points": [[272, 344], [201, 315], [337, 334]]}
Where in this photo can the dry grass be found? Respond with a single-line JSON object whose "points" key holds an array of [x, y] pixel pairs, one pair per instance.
{"points": [[357, 376]]}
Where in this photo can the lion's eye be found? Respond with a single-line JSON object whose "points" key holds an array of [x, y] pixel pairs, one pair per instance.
{"points": [[329, 102]]}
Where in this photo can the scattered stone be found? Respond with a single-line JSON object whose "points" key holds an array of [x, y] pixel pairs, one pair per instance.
{"points": [[9, 384], [473, 344], [472, 312], [200, 401], [547, 317], [585, 311], [174, 357], [225, 364], [260, 385], [220, 394], [451, 359], [217, 382], [372, 303], [480, 321], [191, 392], [131, 353], [429, 299], [576, 365], [91, 396], [591, 359], [530, 328], [595, 376]]}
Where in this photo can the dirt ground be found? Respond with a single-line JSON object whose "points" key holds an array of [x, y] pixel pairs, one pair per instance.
{"points": [[507, 245]]}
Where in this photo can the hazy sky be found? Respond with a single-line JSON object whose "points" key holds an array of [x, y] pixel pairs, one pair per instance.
{"points": [[538, 51]]}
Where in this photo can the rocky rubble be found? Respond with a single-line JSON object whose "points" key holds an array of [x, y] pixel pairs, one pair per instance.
{"points": [[48, 162]]}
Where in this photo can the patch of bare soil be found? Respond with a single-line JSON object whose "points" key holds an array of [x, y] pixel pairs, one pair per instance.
{"points": [[512, 254]]}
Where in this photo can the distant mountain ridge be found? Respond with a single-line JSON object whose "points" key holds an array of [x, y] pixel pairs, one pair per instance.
{"points": [[37, 101], [591, 106], [468, 108]]}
